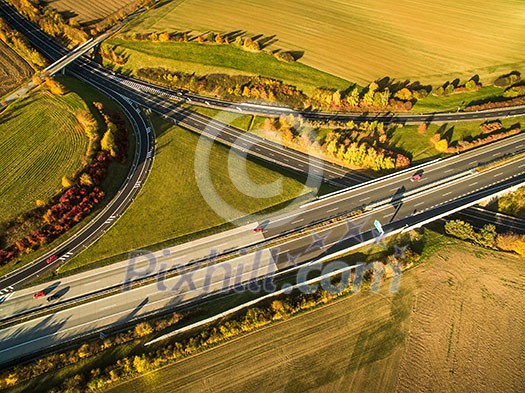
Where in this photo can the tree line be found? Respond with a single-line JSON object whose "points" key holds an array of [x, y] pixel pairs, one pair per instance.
{"points": [[21, 45], [486, 236], [241, 41]]}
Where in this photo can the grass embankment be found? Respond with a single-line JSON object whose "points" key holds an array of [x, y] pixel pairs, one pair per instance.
{"points": [[171, 204], [420, 148], [358, 41], [40, 141], [49, 127]]}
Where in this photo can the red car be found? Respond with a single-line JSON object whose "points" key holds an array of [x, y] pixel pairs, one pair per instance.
{"points": [[51, 258], [416, 177], [39, 294], [257, 230]]}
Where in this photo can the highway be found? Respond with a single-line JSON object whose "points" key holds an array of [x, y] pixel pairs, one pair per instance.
{"points": [[45, 331], [391, 189]]}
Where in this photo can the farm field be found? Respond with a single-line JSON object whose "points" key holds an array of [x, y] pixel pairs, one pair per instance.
{"points": [[171, 205], [13, 69], [88, 12], [40, 141], [363, 40], [435, 335]]}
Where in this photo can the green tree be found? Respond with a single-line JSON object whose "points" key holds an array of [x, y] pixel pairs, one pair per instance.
{"points": [[460, 229]]}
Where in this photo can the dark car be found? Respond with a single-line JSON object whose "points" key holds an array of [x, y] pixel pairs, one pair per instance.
{"points": [[51, 258]]}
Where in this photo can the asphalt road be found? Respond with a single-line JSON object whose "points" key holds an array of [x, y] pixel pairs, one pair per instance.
{"points": [[46, 331]]}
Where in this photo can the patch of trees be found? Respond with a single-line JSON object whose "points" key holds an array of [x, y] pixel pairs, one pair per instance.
{"points": [[486, 236], [513, 203], [491, 132], [493, 105], [243, 42], [454, 87], [231, 87], [514, 91], [284, 56], [56, 88], [114, 55], [362, 145], [507, 80], [81, 193], [21, 45], [371, 99]]}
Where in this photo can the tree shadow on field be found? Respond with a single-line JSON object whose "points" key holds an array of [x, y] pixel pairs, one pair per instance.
{"points": [[91, 22], [68, 14], [297, 54], [232, 35], [267, 41]]}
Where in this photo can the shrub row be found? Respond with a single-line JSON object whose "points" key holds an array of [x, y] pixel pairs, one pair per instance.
{"points": [[486, 236]]}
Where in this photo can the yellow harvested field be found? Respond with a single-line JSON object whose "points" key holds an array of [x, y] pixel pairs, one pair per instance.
{"points": [[13, 69], [88, 12], [362, 40], [456, 325]]}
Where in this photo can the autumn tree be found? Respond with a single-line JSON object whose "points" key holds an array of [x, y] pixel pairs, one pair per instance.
{"points": [[368, 98], [67, 182], [55, 87], [353, 98], [403, 94], [164, 37]]}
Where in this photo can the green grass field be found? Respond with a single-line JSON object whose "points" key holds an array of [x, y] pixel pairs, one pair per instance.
{"points": [[171, 205], [40, 141], [363, 40], [228, 59]]}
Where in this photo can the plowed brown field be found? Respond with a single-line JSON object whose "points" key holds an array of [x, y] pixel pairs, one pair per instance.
{"points": [[13, 69]]}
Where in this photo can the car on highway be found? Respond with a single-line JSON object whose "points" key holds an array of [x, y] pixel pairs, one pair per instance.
{"points": [[257, 229], [52, 258], [39, 294], [417, 176]]}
